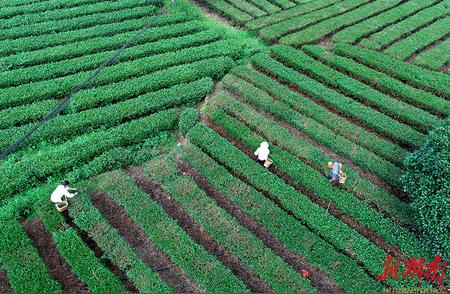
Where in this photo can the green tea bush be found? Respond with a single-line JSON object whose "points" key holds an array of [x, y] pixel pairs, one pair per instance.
{"points": [[387, 84], [35, 169], [287, 14], [85, 265], [419, 40], [115, 248], [294, 235], [414, 75], [354, 33], [27, 272], [8, 12], [404, 28], [125, 12], [188, 119], [192, 258], [427, 181]]}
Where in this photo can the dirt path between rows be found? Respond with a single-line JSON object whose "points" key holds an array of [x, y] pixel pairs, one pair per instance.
{"points": [[5, 287], [56, 264], [395, 95], [317, 168], [318, 279], [331, 208], [211, 14], [140, 242], [358, 122], [445, 68], [280, 205], [426, 48], [198, 233], [368, 175], [99, 253]]}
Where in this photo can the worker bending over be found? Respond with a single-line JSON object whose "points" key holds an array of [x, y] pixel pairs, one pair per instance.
{"points": [[62, 191], [263, 154], [335, 173]]}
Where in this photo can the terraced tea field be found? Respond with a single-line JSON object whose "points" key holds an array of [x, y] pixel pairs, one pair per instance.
{"points": [[415, 31], [160, 144]]}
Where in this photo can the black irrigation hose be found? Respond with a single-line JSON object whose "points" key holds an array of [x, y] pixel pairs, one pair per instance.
{"points": [[162, 268], [83, 84]]}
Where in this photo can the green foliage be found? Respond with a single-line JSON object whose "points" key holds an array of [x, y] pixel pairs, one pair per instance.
{"points": [[85, 265], [419, 40], [36, 168], [11, 11], [123, 156], [434, 58], [356, 32], [90, 220], [23, 204], [198, 264], [285, 4], [284, 15], [65, 127], [132, 72], [314, 182], [396, 109], [249, 44], [125, 13], [48, 47], [229, 11], [275, 133], [265, 5], [248, 7], [316, 32], [405, 27], [188, 119], [15, 3], [343, 104], [297, 19], [38, 21], [313, 129], [317, 219], [418, 76], [214, 68], [11, 117], [338, 124], [45, 209], [225, 229], [163, 27], [382, 81], [14, 46], [65, 67], [294, 235], [27, 272], [427, 181]]}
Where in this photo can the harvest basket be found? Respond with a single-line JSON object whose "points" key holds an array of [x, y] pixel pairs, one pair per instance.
{"points": [[268, 162], [342, 178], [62, 206]]}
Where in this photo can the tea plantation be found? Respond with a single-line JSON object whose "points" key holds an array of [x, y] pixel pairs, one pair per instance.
{"points": [[160, 145]]}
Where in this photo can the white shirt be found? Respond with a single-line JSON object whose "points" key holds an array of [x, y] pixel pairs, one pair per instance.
{"points": [[59, 192], [263, 153]]}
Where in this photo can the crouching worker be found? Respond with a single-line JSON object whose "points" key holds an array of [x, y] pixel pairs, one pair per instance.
{"points": [[62, 191], [334, 175], [263, 154]]}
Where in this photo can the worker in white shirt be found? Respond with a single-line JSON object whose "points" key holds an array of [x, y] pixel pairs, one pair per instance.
{"points": [[61, 191], [263, 152]]}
